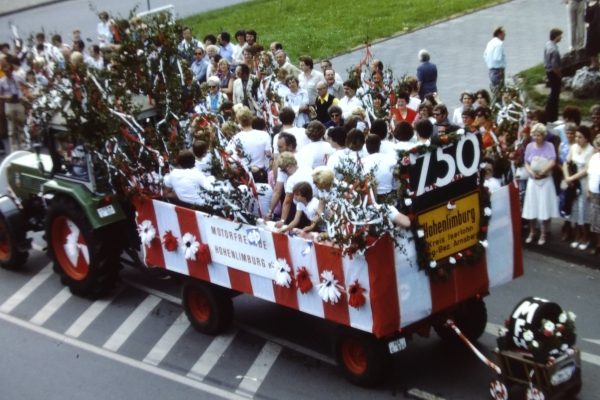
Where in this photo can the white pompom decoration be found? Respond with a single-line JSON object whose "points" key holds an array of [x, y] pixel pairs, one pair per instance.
{"points": [[282, 273], [327, 289], [189, 246], [147, 232]]}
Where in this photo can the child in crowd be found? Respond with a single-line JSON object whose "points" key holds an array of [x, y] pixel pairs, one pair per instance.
{"points": [[306, 206], [76, 35]]}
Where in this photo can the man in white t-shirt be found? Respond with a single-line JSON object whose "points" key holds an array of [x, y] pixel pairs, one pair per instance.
{"points": [[381, 166], [337, 139], [379, 127], [287, 117], [184, 183], [289, 174]]}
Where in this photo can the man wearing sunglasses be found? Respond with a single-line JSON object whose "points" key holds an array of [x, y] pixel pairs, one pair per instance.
{"points": [[200, 65]]}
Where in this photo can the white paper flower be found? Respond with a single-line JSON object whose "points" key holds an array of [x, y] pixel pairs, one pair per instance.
{"points": [[498, 390], [460, 131], [549, 326], [452, 260], [451, 206], [535, 344], [327, 289], [534, 394], [558, 334], [432, 264], [562, 318], [564, 347], [140, 52], [282, 273], [484, 243], [482, 165], [189, 246], [428, 142], [147, 232], [420, 233], [408, 202], [572, 316], [528, 336], [487, 211]]}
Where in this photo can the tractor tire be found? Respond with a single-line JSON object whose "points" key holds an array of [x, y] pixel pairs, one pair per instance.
{"points": [[208, 307], [470, 319], [11, 257], [364, 359], [86, 259]]}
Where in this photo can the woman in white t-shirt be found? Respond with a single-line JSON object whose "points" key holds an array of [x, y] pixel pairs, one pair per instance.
{"points": [[306, 207], [317, 152], [593, 192]]}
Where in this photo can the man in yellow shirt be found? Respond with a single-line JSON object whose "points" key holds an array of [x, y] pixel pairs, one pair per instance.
{"points": [[323, 101]]}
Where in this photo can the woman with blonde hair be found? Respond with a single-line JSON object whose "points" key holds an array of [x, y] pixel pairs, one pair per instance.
{"points": [[226, 77], [541, 202]]}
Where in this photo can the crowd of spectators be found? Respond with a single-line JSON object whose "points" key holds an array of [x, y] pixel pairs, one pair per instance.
{"points": [[296, 126]]}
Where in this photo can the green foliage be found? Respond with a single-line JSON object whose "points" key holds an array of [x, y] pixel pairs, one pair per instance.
{"points": [[535, 76], [325, 28]]}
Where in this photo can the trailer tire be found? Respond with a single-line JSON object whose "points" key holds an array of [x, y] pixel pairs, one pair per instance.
{"points": [[86, 259], [10, 256], [363, 359], [470, 319], [208, 307]]}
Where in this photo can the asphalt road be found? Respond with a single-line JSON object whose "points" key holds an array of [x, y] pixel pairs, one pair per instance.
{"points": [[137, 344]]}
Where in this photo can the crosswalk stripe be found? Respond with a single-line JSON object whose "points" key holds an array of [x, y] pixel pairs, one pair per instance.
{"points": [[51, 307], [259, 370], [131, 323], [168, 340], [77, 328], [211, 355], [13, 301]]}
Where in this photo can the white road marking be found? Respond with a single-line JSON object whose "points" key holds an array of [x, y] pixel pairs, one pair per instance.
{"points": [[211, 355], [122, 359], [168, 340], [85, 319], [591, 358], [241, 326], [157, 293], [38, 247], [13, 301], [53, 305], [419, 394], [595, 341], [259, 369], [131, 323]]}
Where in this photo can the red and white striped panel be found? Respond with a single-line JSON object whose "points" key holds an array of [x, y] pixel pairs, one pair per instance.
{"points": [[397, 292]]}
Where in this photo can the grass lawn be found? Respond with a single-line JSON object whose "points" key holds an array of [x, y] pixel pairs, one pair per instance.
{"points": [[324, 28], [535, 76]]}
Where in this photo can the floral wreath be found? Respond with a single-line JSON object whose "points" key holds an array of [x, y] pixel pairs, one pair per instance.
{"points": [[441, 268], [552, 338]]}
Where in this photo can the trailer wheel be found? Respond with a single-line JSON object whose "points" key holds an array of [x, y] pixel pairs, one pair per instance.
{"points": [[363, 359], [208, 307], [10, 255], [470, 319], [87, 260]]}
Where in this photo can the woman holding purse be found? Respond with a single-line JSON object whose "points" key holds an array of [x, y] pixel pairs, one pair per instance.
{"points": [[579, 153], [541, 202]]}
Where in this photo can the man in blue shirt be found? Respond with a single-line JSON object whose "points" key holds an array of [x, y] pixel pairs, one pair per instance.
{"points": [[200, 65], [495, 59], [226, 51]]}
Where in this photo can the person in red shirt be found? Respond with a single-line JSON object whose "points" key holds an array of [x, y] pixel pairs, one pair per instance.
{"points": [[401, 112]]}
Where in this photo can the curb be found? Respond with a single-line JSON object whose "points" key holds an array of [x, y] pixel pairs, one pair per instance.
{"points": [[40, 4]]}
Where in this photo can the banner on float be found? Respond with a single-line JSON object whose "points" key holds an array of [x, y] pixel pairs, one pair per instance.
{"points": [[449, 230], [242, 247]]}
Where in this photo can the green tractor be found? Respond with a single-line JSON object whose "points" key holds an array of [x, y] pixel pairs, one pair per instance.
{"points": [[86, 230]]}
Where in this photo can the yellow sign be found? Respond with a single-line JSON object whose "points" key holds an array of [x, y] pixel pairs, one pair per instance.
{"points": [[451, 228]]}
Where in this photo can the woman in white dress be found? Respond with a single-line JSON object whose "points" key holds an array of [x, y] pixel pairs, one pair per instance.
{"points": [[541, 202], [579, 154], [297, 99]]}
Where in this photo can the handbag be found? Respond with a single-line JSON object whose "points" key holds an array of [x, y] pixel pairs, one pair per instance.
{"points": [[538, 164]]}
